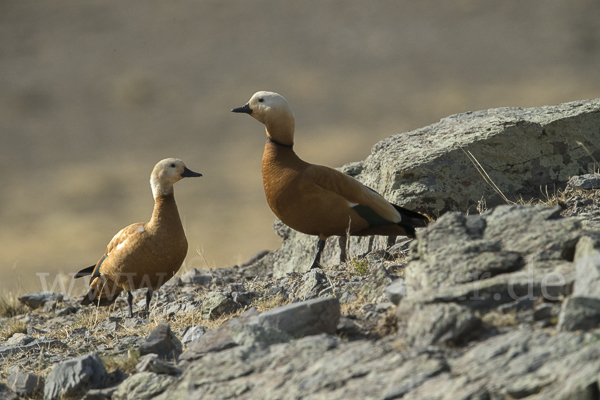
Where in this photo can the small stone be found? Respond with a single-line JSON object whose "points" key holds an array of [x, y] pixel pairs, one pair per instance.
{"points": [[543, 311], [100, 394], [304, 318], [587, 182], [192, 333], [162, 342], [151, 363], [242, 298], [311, 283], [196, 277], [216, 304], [435, 324], [396, 291], [49, 306], [144, 385], [25, 384], [579, 313], [275, 290], [35, 331], [20, 339], [66, 311], [135, 322], [38, 299], [74, 377]]}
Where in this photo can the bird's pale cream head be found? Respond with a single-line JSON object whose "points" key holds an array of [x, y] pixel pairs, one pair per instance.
{"points": [[274, 111], [166, 173]]}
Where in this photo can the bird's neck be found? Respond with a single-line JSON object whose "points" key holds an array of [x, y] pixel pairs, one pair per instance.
{"points": [[159, 188], [281, 130], [165, 213]]}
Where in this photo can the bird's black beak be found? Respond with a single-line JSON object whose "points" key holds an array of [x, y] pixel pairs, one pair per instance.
{"points": [[187, 173], [244, 109]]}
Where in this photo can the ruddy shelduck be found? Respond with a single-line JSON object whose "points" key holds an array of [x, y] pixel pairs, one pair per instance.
{"points": [[314, 199], [146, 254]]}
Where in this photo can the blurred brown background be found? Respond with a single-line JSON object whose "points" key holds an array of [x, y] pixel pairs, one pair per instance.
{"points": [[94, 93]]}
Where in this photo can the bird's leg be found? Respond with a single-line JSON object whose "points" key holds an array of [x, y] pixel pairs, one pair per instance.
{"points": [[148, 298], [317, 260], [130, 302]]}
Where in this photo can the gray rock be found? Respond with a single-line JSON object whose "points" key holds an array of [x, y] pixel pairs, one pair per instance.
{"points": [[74, 377], [38, 299], [309, 317], [218, 339], [193, 333], [20, 339], [41, 343], [180, 308], [396, 291], [66, 311], [413, 374], [437, 323], [579, 313], [588, 181], [100, 394], [49, 306], [587, 279], [152, 363], [196, 276], [242, 298], [312, 283], [587, 246], [135, 322], [517, 364], [145, 385], [543, 311], [216, 304], [251, 334], [25, 383], [6, 394], [348, 297], [163, 343]]}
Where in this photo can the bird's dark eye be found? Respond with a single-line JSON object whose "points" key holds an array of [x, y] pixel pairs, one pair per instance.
{"points": [[261, 100], [173, 165]]}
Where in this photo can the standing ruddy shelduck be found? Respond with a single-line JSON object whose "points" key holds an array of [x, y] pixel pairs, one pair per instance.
{"points": [[314, 199], [143, 255]]}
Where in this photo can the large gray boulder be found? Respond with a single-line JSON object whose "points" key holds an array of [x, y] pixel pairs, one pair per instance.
{"points": [[74, 377], [521, 149]]}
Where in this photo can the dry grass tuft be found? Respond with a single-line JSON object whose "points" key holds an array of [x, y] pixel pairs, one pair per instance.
{"points": [[124, 363], [11, 327], [497, 319], [269, 303], [11, 306], [355, 306]]}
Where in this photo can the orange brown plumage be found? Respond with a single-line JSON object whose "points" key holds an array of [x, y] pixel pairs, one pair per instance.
{"points": [[143, 255], [314, 199]]}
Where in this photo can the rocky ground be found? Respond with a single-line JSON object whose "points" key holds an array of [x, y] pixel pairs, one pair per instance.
{"points": [[504, 304]]}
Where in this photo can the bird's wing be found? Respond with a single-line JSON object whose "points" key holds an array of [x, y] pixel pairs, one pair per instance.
{"points": [[354, 192], [126, 234]]}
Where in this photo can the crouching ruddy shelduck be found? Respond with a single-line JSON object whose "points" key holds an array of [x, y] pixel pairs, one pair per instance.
{"points": [[314, 199], [146, 254]]}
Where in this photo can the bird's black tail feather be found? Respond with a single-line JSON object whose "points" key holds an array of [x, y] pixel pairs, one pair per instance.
{"points": [[85, 272]]}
